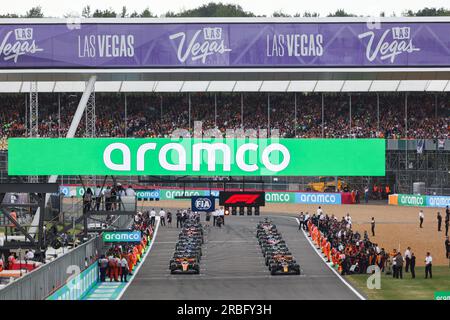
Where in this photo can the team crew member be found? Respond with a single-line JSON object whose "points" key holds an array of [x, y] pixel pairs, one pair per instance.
{"points": [[301, 220], [421, 217], [222, 215], [439, 220], [412, 265], [169, 219], [152, 217], [103, 267], [162, 216], [428, 266], [123, 269], [179, 218], [215, 215], [372, 226], [447, 248], [407, 259]]}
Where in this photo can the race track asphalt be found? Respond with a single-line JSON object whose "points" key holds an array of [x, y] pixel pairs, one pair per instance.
{"points": [[233, 267]]}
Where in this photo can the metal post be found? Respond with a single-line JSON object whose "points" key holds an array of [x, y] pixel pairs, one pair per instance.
{"points": [[189, 97], [126, 115], [406, 129], [378, 112], [295, 114], [242, 110], [34, 110], [59, 115], [268, 115], [26, 115], [215, 110], [34, 118], [323, 119], [161, 107], [350, 114], [435, 106], [90, 116]]}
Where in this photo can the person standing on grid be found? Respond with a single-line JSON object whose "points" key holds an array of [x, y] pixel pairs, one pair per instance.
{"points": [[421, 217], [162, 216], [428, 266]]}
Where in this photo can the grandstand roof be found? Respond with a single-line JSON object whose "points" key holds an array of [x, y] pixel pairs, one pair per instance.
{"points": [[230, 79], [234, 86]]}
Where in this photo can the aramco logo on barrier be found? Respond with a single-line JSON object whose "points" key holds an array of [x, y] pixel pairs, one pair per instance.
{"points": [[121, 236], [412, 200]]}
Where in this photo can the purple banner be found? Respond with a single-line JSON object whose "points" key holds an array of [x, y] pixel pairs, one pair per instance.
{"points": [[225, 45]]}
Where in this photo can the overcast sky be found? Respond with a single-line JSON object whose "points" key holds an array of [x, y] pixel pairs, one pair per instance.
{"points": [[57, 8]]}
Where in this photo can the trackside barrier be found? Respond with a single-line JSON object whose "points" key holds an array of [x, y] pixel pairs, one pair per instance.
{"points": [[416, 200], [43, 281], [78, 286]]}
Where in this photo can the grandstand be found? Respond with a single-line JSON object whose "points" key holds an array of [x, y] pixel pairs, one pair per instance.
{"points": [[238, 80]]}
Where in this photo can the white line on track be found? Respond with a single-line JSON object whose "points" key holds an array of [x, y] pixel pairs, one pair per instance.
{"points": [[331, 268], [143, 260]]}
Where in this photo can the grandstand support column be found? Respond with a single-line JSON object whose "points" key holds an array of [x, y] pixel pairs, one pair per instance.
{"points": [[322, 117], [90, 115], [34, 109], [378, 112], [295, 114], [34, 118], [189, 102], [268, 115], [125, 102], [59, 115], [215, 110], [406, 130], [242, 110], [161, 106], [350, 113], [26, 115], [70, 134]]}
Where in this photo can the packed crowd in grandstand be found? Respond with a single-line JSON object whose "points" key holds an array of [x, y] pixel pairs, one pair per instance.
{"points": [[156, 116]]}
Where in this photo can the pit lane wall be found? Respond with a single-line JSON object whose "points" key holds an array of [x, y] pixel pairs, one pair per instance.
{"points": [[78, 285], [416, 200], [271, 196]]}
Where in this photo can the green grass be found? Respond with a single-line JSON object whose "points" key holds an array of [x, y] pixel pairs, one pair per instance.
{"points": [[406, 288]]}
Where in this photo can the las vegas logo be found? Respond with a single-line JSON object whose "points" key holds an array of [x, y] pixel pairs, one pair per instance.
{"points": [[17, 43], [197, 48], [384, 49]]}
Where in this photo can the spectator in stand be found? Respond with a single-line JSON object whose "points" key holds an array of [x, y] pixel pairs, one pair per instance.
{"points": [[98, 197], [366, 194], [130, 191], [107, 195], [87, 200]]}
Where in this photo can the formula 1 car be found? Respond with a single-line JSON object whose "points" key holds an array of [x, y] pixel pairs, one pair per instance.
{"points": [[284, 267], [184, 265]]}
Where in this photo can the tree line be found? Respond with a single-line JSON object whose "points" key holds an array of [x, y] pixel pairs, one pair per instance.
{"points": [[216, 10]]}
